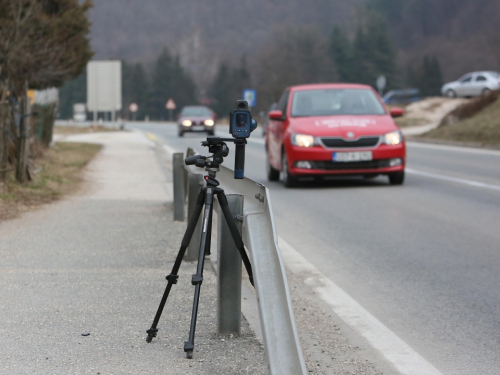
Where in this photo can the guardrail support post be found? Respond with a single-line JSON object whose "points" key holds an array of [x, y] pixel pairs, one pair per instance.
{"points": [[195, 182], [229, 272], [178, 169]]}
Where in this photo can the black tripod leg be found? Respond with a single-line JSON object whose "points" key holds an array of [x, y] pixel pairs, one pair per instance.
{"points": [[198, 277], [234, 232], [172, 278], [209, 235]]}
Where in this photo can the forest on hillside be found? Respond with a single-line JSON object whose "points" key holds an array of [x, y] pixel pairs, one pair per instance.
{"points": [[222, 46]]}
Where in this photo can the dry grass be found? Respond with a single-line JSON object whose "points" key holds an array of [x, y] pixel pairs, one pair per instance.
{"points": [[483, 128], [404, 122], [470, 108], [68, 130], [58, 173]]}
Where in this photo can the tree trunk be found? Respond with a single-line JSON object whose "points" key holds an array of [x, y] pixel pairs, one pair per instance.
{"points": [[4, 137], [22, 145]]}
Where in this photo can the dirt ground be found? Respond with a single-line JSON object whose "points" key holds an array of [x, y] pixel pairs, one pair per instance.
{"points": [[428, 111]]}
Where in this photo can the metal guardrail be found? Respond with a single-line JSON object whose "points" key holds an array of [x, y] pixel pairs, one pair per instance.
{"points": [[280, 335]]}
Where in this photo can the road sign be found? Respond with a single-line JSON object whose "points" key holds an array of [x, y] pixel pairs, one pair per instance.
{"points": [[133, 107], [381, 83], [250, 95], [104, 86], [170, 104]]}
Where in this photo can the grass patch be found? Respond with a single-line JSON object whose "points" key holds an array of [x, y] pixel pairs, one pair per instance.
{"points": [[482, 128], [68, 130], [59, 172], [404, 122]]}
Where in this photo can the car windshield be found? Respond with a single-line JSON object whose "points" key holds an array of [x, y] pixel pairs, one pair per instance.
{"points": [[196, 111], [335, 102]]}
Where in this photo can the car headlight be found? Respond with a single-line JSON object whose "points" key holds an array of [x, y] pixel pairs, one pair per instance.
{"points": [[303, 140], [209, 122], [186, 122], [393, 138]]}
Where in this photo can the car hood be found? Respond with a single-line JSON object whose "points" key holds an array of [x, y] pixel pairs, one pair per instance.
{"points": [[195, 118], [451, 84], [341, 126]]}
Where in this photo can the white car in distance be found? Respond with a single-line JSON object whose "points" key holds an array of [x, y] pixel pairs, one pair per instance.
{"points": [[472, 84]]}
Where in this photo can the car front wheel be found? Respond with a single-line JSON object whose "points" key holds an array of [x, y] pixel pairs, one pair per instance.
{"points": [[397, 178], [285, 176], [451, 94]]}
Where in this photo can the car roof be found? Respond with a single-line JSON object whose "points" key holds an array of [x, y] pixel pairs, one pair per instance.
{"points": [[481, 72], [318, 86], [195, 106]]}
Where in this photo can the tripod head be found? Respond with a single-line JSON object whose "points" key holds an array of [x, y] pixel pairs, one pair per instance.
{"points": [[218, 148]]}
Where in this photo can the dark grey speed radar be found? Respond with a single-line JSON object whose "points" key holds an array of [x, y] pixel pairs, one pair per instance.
{"points": [[240, 120]]}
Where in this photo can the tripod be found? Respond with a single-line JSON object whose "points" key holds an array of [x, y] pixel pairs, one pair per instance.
{"points": [[205, 200]]}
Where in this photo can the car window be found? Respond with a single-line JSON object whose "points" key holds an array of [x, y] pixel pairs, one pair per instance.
{"points": [[196, 111], [468, 79], [335, 102], [283, 103], [481, 78]]}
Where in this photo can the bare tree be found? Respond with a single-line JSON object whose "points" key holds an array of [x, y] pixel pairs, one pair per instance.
{"points": [[43, 42]]}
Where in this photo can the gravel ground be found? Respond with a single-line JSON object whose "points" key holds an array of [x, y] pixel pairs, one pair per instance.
{"points": [[95, 264]]}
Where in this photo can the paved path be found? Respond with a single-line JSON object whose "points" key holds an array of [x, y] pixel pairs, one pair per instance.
{"points": [[96, 263]]}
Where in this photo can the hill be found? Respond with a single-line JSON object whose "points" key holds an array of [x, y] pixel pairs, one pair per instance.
{"points": [[481, 128], [463, 34]]}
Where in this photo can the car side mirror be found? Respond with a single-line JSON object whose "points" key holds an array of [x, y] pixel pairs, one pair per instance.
{"points": [[397, 112], [276, 115]]}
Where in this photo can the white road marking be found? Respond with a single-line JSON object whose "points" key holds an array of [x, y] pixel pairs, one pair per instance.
{"points": [[454, 148], [403, 357], [454, 179]]}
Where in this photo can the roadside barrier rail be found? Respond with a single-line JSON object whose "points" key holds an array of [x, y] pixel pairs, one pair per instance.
{"points": [[250, 203]]}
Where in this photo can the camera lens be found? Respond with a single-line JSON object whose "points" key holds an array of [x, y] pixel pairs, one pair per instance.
{"points": [[241, 105]]}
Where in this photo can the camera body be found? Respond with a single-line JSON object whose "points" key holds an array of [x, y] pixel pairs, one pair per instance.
{"points": [[241, 123]]}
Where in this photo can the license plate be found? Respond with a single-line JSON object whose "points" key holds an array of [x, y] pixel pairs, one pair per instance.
{"points": [[198, 128], [352, 156]]}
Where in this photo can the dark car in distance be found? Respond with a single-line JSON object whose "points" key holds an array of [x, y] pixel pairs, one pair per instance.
{"points": [[196, 118], [404, 96]]}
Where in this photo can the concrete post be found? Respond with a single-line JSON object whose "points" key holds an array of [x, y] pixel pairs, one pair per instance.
{"points": [[229, 272], [178, 169], [195, 182]]}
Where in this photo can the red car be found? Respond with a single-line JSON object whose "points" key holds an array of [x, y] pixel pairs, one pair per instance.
{"points": [[333, 129]]}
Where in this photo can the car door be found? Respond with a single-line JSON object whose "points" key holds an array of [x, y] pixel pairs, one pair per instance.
{"points": [[480, 83], [275, 132], [465, 86]]}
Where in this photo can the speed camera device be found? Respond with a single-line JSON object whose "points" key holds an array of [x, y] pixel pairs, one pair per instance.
{"points": [[240, 120], [241, 125]]}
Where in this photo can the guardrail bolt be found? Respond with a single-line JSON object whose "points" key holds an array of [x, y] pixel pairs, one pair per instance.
{"points": [[259, 197]]}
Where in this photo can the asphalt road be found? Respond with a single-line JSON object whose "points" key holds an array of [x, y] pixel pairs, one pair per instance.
{"points": [[423, 258]]}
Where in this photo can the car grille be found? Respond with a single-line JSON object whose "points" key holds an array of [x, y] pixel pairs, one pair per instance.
{"points": [[342, 143], [337, 166]]}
